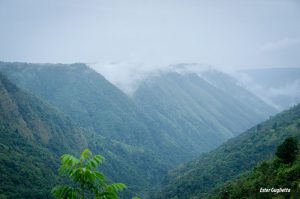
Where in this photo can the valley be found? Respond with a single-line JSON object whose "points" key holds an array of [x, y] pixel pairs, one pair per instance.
{"points": [[170, 119]]}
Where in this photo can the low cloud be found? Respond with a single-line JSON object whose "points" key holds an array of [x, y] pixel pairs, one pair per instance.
{"points": [[280, 44], [288, 92], [127, 76]]}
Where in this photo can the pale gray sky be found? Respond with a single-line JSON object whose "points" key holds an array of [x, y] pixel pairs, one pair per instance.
{"points": [[228, 33]]}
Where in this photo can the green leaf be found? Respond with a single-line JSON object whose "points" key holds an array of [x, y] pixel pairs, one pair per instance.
{"points": [[85, 155]]}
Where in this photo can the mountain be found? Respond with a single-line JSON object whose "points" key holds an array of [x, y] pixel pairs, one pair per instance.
{"points": [[199, 178], [196, 113], [279, 87], [33, 135], [84, 95]]}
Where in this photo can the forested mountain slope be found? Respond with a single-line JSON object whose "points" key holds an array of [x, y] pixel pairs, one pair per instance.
{"points": [[94, 103], [198, 113], [84, 95], [36, 121], [33, 136], [201, 176]]}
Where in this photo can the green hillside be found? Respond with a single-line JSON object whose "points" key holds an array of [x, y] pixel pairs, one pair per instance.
{"points": [[25, 167], [36, 121], [196, 113], [274, 178], [33, 136], [201, 176]]}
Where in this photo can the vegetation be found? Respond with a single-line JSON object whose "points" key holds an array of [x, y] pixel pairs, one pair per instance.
{"points": [[200, 177], [275, 178], [33, 135], [87, 181], [27, 170]]}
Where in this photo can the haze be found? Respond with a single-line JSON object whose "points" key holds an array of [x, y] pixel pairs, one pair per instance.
{"points": [[225, 34]]}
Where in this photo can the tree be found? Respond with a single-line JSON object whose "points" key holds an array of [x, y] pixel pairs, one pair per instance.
{"points": [[86, 180], [288, 150]]}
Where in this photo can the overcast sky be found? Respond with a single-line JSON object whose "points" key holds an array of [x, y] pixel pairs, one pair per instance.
{"points": [[238, 34]]}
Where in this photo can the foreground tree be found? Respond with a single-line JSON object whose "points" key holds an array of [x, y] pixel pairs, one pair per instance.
{"points": [[85, 179], [288, 150]]}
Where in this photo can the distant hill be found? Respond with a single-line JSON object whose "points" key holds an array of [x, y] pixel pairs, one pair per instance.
{"points": [[199, 114], [199, 178], [278, 86]]}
